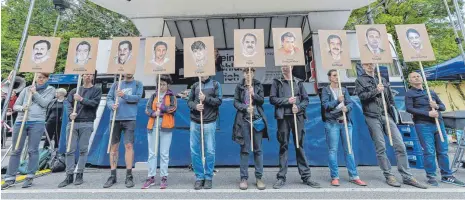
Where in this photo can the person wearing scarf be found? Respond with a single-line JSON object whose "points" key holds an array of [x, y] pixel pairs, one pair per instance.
{"points": [[34, 128]]}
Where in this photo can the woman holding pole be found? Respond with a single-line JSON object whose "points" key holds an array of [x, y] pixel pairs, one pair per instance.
{"points": [[34, 127], [161, 107], [334, 105], [250, 92]]}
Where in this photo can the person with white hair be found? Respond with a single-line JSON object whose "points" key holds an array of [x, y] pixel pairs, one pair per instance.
{"points": [[54, 116]]}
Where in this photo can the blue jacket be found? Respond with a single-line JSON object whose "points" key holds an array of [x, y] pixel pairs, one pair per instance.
{"points": [[329, 104], [127, 109], [417, 104]]}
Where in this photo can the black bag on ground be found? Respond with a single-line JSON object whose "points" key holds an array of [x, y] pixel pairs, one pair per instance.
{"points": [[57, 164]]}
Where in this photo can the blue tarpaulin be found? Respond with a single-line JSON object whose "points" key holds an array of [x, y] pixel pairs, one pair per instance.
{"points": [[227, 151], [453, 69]]}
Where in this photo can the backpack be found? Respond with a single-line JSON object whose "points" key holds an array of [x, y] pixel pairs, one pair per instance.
{"points": [[57, 163], [45, 155]]}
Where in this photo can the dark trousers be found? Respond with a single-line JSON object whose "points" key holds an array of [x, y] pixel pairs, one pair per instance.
{"points": [[257, 152], [54, 131], [285, 126]]}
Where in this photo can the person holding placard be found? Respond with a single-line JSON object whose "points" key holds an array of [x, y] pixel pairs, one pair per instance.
{"points": [[286, 106], [207, 101], [34, 128], [334, 105], [165, 110], [369, 92], [241, 127], [418, 104], [88, 101], [129, 94]]}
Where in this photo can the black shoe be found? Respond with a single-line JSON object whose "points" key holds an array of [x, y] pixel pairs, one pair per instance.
{"points": [[8, 184], [129, 181], [111, 180], [279, 184], [199, 184], [69, 179], [79, 180], [312, 184], [432, 181], [208, 184], [27, 183]]}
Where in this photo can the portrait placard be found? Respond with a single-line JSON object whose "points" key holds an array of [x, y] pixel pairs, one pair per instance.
{"points": [[160, 55], [199, 57], [123, 55], [373, 43], [414, 42], [40, 54], [288, 46], [249, 48], [82, 56], [334, 48]]}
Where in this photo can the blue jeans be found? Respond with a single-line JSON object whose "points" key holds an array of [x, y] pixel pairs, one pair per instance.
{"points": [[203, 172], [164, 142], [335, 132], [432, 147], [34, 131]]}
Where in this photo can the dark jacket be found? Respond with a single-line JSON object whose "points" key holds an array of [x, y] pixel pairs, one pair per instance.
{"points": [[280, 101], [417, 104], [212, 91], [87, 108], [257, 99], [370, 97], [53, 113], [329, 104]]}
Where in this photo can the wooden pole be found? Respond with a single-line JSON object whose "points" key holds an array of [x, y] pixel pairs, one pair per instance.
{"points": [[71, 127], [430, 98], [349, 145], [295, 117], [114, 113], [388, 127], [157, 131], [251, 114], [26, 112], [201, 126]]}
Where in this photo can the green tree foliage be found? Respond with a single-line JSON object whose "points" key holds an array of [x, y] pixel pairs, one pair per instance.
{"points": [[75, 22], [430, 12]]}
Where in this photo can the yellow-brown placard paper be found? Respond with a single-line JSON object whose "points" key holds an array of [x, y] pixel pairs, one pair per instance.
{"points": [[40, 54], [123, 55], [373, 43], [334, 48], [160, 55], [249, 48], [415, 43], [82, 56], [288, 46], [199, 57]]}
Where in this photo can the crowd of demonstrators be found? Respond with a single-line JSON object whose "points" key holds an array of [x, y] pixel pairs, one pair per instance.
{"points": [[54, 117]]}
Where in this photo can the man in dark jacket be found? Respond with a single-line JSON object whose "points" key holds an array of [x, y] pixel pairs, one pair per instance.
{"points": [[369, 92], [88, 100], [418, 104], [286, 106], [206, 102], [241, 128]]}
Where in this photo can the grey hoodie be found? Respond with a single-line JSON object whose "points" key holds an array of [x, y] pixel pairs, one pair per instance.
{"points": [[38, 106]]}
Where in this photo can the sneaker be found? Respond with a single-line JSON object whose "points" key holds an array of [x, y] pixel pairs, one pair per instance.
{"points": [[432, 181], [243, 185], [129, 181], [111, 180], [335, 182], [312, 184], [413, 182], [199, 184], [79, 179], [279, 184], [69, 179], [8, 184], [27, 183], [149, 182], [452, 180], [358, 182], [164, 182], [392, 181], [260, 184], [208, 184]]}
